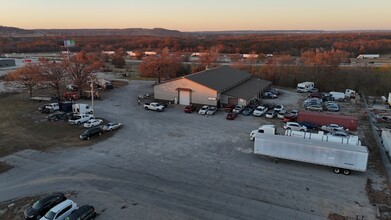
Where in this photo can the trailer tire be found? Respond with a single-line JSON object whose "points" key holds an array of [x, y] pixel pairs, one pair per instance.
{"points": [[346, 172], [336, 170]]}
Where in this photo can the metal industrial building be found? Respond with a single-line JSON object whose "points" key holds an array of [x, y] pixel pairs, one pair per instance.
{"points": [[220, 85], [7, 62]]}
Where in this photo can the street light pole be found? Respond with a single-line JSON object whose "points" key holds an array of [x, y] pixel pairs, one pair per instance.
{"points": [[259, 88], [92, 97]]}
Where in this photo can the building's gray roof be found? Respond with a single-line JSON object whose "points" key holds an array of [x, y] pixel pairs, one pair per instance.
{"points": [[248, 89], [220, 78]]}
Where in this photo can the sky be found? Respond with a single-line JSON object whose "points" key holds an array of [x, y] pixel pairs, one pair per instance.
{"points": [[198, 15]]}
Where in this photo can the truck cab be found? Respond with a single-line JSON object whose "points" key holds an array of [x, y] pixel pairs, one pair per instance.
{"points": [[263, 129]]}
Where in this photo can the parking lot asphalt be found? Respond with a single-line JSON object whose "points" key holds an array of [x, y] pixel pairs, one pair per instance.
{"points": [[172, 165]]}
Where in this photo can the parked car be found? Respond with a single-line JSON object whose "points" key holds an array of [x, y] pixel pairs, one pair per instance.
{"points": [[295, 112], [111, 126], [339, 134], [312, 101], [318, 95], [332, 127], [85, 212], [57, 116], [314, 107], [309, 125], [278, 108], [274, 91], [327, 97], [212, 110], [314, 90], [79, 119], [60, 211], [332, 108], [294, 126], [87, 134], [44, 109], [229, 107], [190, 108], [238, 109], [231, 116], [203, 110], [271, 114], [289, 117], [72, 88], [260, 110], [281, 114], [269, 95], [93, 122], [43, 205], [248, 110]]}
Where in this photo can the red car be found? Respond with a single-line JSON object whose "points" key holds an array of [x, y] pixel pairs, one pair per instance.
{"points": [[231, 116], [289, 117], [229, 107], [190, 108]]}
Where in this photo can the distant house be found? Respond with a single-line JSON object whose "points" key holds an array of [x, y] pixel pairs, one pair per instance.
{"points": [[368, 56], [108, 52], [220, 85], [150, 53], [7, 62], [250, 56]]}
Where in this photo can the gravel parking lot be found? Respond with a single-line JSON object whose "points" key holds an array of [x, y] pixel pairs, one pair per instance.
{"points": [[172, 165]]}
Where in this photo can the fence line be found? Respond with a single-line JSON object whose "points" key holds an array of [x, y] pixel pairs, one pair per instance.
{"points": [[377, 135]]}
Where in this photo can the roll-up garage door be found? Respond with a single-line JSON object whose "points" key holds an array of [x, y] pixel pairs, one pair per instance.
{"points": [[184, 97]]}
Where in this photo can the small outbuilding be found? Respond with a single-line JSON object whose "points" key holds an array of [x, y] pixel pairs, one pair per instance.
{"points": [[217, 86], [7, 62]]}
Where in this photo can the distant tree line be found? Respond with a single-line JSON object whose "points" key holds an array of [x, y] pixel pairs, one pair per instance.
{"points": [[290, 44]]}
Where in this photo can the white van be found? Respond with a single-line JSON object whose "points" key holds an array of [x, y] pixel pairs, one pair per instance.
{"points": [[305, 86], [338, 96]]}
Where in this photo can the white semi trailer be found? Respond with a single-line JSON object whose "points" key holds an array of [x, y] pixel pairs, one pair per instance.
{"points": [[341, 157]]}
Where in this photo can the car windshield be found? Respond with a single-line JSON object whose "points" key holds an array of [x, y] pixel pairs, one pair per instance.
{"points": [[50, 215], [37, 205]]}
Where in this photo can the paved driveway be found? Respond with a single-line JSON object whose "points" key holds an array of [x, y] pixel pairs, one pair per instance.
{"points": [[172, 165]]}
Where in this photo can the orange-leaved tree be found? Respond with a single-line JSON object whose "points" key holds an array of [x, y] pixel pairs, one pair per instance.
{"points": [[28, 76], [165, 65], [81, 68]]}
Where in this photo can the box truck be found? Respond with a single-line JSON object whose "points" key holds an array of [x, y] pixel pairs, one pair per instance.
{"points": [[82, 109], [342, 158], [305, 86]]}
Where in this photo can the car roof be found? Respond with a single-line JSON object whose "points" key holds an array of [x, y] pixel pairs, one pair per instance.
{"points": [[61, 205], [49, 197]]}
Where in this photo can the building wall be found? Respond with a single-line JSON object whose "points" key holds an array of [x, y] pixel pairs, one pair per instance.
{"points": [[199, 94], [224, 100], [6, 63]]}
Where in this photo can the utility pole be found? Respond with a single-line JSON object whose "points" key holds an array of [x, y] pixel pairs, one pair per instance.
{"points": [[92, 97]]}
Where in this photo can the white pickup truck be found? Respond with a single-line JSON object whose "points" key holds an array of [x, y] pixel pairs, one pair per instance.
{"points": [[154, 106], [80, 119]]}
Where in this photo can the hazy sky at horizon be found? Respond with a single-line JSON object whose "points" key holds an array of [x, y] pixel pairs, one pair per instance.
{"points": [[201, 15]]}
